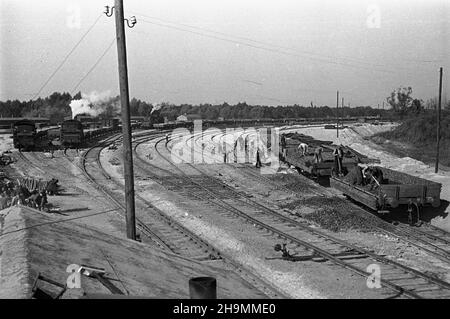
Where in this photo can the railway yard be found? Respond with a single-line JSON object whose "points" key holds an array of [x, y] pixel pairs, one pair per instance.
{"points": [[230, 220]]}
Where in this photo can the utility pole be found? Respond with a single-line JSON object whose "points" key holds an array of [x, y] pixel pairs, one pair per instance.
{"points": [[126, 125], [337, 114], [438, 137], [342, 107]]}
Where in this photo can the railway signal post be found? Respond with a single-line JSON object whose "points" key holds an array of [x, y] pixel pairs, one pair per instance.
{"points": [[126, 125]]}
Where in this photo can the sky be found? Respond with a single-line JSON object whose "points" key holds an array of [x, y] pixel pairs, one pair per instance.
{"points": [[271, 52]]}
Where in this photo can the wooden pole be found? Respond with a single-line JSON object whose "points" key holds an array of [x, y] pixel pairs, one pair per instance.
{"points": [[438, 135], [342, 107], [337, 114], [126, 125]]}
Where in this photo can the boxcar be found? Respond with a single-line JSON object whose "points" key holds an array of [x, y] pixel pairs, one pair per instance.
{"points": [[71, 133], [24, 134]]}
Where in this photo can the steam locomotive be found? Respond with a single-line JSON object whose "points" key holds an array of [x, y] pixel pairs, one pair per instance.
{"points": [[24, 134]]}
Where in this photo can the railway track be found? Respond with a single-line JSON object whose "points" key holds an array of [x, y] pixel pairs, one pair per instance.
{"points": [[436, 242], [431, 239], [261, 179], [184, 242], [402, 279], [164, 232], [171, 236]]}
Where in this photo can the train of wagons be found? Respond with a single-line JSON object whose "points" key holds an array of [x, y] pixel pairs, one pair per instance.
{"points": [[394, 190], [71, 133], [262, 122]]}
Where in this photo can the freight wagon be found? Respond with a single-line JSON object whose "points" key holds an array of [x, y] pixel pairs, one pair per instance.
{"points": [[308, 164], [396, 189]]}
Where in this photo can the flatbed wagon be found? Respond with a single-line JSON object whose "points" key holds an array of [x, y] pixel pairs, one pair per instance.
{"points": [[396, 189], [308, 164]]}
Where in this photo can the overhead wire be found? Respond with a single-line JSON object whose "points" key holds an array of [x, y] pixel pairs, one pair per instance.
{"points": [[354, 60], [67, 57], [93, 66], [350, 59], [262, 47]]}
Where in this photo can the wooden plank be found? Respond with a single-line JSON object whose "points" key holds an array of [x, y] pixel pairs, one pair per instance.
{"points": [[355, 193]]}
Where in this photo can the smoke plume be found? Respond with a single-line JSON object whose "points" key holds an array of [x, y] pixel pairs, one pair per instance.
{"points": [[157, 107], [95, 104]]}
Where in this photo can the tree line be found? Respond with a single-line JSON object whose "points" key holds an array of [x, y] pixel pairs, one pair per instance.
{"points": [[403, 104], [243, 110], [56, 108]]}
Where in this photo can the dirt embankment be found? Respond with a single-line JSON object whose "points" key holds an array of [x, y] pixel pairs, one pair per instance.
{"points": [[416, 137]]}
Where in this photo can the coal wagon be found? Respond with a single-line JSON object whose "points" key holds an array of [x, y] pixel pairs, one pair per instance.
{"points": [[309, 164], [396, 189]]}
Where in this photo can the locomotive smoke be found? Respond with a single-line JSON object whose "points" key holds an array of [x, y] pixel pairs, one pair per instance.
{"points": [[157, 107], [95, 104]]}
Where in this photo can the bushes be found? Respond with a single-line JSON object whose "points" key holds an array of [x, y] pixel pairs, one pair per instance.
{"points": [[420, 130], [419, 135]]}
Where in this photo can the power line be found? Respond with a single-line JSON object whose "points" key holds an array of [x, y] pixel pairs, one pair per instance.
{"points": [[258, 46], [350, 59], [93, 67], [67, 56]]}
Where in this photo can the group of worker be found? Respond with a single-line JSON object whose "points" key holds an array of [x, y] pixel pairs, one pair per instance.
{"points": [[27, 192], [241, 146], [304, 151]]}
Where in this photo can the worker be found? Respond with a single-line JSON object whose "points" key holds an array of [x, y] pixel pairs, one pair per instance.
{"points": [[3, 201], [241, 143], [318, 154], [377, 173], [338, 154], [283, 146], [303, 148], [355, 177], [33, 200], [224, 150], [52, 187], [258, 158], [51, 148], [41, 201], [376, 177], [167, 138], [15, 200]]}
